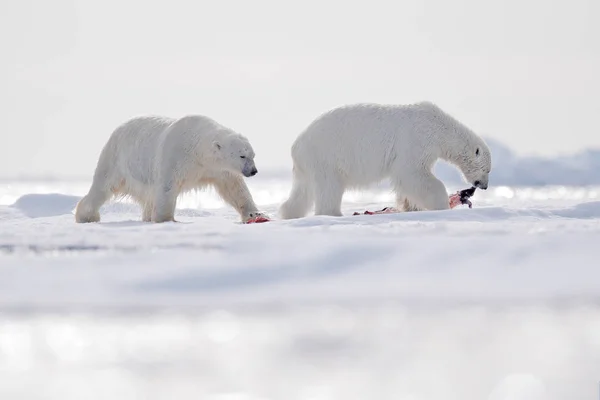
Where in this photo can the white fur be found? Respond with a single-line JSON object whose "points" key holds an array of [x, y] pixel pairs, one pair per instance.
{"points": [[153, 160], [354, 146]]}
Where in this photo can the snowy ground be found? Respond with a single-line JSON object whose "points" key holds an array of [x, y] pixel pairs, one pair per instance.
{"points": [[498, 302]]}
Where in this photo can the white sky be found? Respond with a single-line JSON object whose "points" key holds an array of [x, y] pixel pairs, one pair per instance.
{"points": [[526, 72]]}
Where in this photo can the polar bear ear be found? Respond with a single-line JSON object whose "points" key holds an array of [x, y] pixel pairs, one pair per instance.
{"points": [[217, 145]]}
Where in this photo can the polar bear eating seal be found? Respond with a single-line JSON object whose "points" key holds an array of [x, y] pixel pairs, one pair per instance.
{"points": [[355, 146]]}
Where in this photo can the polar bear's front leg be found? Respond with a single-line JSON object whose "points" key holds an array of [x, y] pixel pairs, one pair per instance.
{"points": [[402, 202], [406, 205], [426, 192], [234, 191]]}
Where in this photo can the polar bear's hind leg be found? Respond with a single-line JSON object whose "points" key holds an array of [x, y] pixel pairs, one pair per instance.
{"points": [[329, 192], [147, 210], [301, 198], [88, 208], [165, 204]]}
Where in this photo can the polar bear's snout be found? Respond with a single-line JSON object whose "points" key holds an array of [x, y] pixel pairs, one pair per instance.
{"points": [[249, 169], [252, 172], [481, 183]]}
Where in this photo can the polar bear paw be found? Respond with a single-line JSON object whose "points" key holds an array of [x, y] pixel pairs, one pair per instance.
{"points": [[256, 217]]}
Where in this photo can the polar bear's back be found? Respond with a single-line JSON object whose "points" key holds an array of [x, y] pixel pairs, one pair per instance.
{"points": [[141, 132], [362, 140], [131, 150]]}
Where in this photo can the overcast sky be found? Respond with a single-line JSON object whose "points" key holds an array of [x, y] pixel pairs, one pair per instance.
{"points": [[526, 72]]}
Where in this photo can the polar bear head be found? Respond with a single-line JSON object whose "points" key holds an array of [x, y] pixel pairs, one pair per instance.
{"points": [[234, 153], [475, 161], [458, 145]]}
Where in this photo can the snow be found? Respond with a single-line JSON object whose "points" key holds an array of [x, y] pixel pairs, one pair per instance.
{"points": [[577, 169], [498, 302]]}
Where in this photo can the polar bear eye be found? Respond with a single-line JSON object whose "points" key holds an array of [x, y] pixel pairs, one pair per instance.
{"points": [[477, 152], [242, 156]]}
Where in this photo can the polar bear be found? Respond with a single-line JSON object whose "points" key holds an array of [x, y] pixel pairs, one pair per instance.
{"points": [[354, 146], [153, 159]]}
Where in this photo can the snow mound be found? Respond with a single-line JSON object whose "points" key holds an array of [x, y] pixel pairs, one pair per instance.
{"points": [[45, 205]]}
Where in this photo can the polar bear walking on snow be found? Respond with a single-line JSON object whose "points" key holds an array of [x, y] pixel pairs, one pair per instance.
{"points": [[154, 159], [354, 146]]}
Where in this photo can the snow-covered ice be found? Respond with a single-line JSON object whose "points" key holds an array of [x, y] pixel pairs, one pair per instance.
{"points": [[498, 302]]}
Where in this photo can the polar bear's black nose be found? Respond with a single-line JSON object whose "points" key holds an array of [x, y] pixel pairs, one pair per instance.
{"points": [[253, 172], [480, 185]]}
